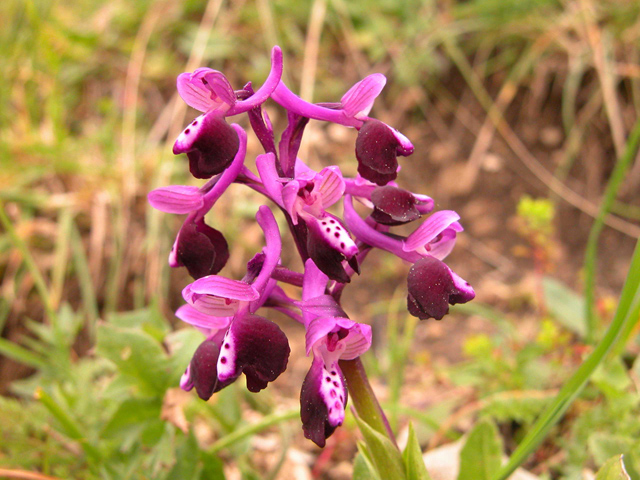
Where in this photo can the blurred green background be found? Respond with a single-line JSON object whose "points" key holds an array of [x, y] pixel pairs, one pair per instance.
{"points": [[519, 110]]}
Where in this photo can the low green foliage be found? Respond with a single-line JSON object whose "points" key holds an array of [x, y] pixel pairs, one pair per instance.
{"points": [[106, 416]]}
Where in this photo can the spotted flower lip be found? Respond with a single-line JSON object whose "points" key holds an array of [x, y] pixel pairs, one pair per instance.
{"points": [[377, 147], [248, 344], [331, 337], [210, 144], [394, 206], [305, 199], [182, 199]]}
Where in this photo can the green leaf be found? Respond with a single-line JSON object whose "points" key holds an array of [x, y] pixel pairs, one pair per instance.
{"points": [[604, 445], [480, 457], [182, 344], [138, 356], [384, 454], [187, 456], [412, 456], [247, 431], [69, 426], [611, 377], [133, 412], [521, 409], [565, 305], [613, 469], [363, 467], [212, 467], [20, 354]]}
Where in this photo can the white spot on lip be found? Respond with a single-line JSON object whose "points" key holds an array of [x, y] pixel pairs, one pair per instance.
{"points": [[227, 358], [185, 140], [332, 393]]}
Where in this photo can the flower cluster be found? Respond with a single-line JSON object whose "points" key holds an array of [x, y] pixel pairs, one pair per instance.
{"points": [[332, 248]]}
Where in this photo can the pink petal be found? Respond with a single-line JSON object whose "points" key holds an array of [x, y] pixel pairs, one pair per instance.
{"points": [[215, 94], [176, 199], [190, 315], [225, 288], [314, 282], [290, 199], [430, 229], [320, 306], [359, 99], [331, 186], [266, 165]]}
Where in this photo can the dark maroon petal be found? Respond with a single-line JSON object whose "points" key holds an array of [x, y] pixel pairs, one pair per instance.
{"points": [[432, 288], [375, 177], [376, 151], [316, 399], [393, 206], [211, 144], [202, 249], [204, 375], [326, 258], [254, 267], [255, 346]]}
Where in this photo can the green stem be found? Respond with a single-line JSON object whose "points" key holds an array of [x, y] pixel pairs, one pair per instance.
{"points": [[617, 176], [364, 399]]}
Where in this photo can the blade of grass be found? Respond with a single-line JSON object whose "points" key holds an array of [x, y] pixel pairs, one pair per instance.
{"points": [[617, 176], [20, 354], [61, 256], [21, 246], [571, 389], [248, 430], [87, 290]]}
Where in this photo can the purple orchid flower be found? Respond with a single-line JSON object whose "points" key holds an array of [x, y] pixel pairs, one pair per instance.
{"points": [[209, 141], [432, 285], [237, 340], [200, 248], [306, 198], [377, 145], [331, 336]]}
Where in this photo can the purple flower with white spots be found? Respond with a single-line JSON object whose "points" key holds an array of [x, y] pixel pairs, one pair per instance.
{"points": [[209, 141], [200, 248], [331, 337], [238, 339], [305, 198]]}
